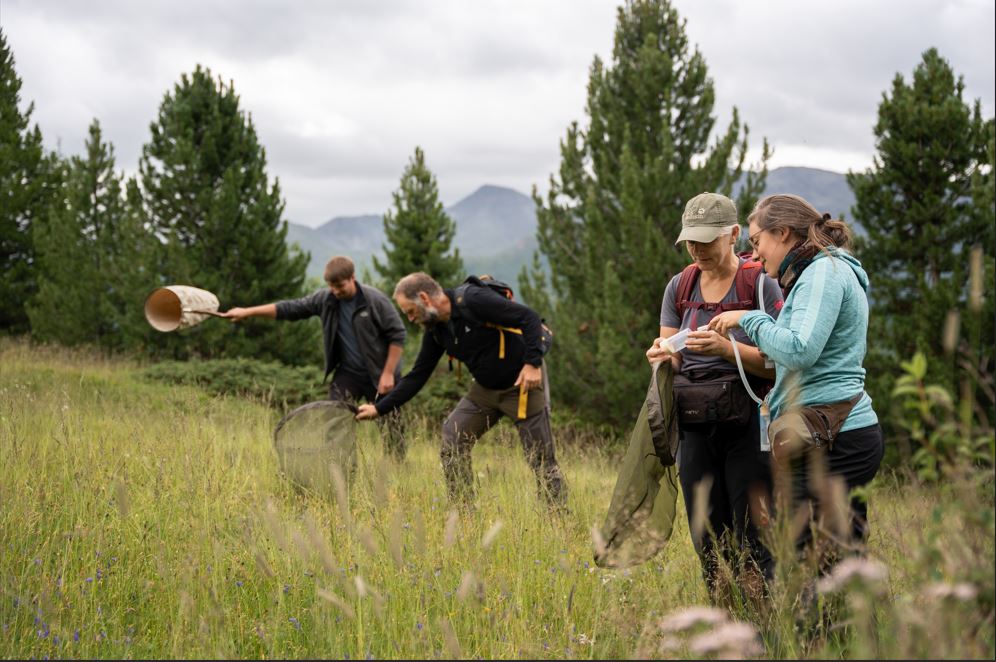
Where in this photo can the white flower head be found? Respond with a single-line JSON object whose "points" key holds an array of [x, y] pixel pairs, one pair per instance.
{"points": [[685, 619], [961, 591], [733, 640], [854, 569]]}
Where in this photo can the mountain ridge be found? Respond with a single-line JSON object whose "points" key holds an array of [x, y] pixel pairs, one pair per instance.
{"points": [[496, 225]]}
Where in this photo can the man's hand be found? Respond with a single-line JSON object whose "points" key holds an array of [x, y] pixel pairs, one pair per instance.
{"points": [[724, 322], [236, 314], [658, 351], [531, 376], [386, 383], [366, 413], [709, 343]]}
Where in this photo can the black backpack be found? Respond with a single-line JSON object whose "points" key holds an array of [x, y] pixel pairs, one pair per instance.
{"points": [[505, 290]]}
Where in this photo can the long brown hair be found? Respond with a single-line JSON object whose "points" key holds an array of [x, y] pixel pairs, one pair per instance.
{"points": [[813, 230]]}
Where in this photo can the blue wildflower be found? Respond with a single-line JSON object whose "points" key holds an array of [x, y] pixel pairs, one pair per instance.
{"points": [[296, 623]]}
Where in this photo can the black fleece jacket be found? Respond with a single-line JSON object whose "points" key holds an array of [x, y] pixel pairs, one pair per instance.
{"points": [[474, 343], [376, 323]]}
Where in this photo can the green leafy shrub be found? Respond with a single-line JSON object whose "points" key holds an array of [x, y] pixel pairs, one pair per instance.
{"points": [[943, 431], [274, 383]]}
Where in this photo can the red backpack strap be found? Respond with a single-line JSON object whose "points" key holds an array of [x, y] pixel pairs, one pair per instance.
{"points": [[746, 282], [745, 285], [686, 283]]}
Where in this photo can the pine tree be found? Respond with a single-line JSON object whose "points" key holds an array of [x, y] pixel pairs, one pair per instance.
{"points": [[609, 221], [916, 204], [92, 256], [419, 233], [26, 186], [207, 197]]}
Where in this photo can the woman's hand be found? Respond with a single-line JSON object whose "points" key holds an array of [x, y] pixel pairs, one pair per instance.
{"points": [[724, 322], [658, 351], [709, 343]]}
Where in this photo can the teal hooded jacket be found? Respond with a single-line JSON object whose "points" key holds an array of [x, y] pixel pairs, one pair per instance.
{"points": [[819, 341]]}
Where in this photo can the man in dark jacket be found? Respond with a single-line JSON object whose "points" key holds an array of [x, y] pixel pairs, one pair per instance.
{"points": [[500, 342], [363, 336]]}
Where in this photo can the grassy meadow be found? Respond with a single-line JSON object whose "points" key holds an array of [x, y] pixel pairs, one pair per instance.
{"points": [[139, 520]]}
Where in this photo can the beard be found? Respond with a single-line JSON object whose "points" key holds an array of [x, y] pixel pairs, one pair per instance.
{"points": [[427, 317]]}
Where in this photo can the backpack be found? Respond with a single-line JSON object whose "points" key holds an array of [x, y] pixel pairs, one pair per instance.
{"points": [[505, 290], [745, 282]]}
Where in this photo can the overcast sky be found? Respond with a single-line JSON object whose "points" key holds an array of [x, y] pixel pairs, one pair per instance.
{"points": [[341, 91]]}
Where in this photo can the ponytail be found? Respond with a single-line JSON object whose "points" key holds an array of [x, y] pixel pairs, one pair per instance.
{"points": [[813, 230]]}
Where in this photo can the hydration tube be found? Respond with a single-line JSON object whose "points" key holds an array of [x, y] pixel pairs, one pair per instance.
{"points": [[743, 377], [736, 350]]}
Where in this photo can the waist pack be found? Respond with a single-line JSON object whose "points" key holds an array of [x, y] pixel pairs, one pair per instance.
{"points": [[810, 427], [716, 398]]}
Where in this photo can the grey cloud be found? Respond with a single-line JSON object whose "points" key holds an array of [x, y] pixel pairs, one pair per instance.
{"points": [[342, 91]]}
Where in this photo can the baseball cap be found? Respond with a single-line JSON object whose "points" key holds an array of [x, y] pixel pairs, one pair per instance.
{"points": [[705, 217]]}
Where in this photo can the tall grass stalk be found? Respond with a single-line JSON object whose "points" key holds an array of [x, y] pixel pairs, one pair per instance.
{"points": [[144, 520]]}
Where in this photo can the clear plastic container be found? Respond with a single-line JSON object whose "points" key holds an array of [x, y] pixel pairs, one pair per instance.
{"points": [[676, 343]]}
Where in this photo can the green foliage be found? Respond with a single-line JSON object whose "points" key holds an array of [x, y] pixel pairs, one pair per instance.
{"points": [[925, 203], [93, 258], [419, 233], [609, 221], [148, 521], [27, 179], [940, 431], [208, 199], [269, 382]]}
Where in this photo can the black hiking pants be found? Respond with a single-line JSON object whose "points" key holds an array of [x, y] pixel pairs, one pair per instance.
{"points": [[855, 457], [348, 387], [729, 457]]}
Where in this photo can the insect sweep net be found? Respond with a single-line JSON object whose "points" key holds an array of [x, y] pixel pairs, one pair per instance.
{"points": [[312, 439]]}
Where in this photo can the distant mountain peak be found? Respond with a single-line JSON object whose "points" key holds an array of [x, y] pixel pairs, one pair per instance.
{"points": [[489, 193], [496, 225]]}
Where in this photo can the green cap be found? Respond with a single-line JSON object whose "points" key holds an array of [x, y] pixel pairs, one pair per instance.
{"points": [[705, 217]]}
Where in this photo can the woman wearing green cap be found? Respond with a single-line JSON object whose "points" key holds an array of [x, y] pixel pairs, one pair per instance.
{"points": [[720, 453], [819, 408]]}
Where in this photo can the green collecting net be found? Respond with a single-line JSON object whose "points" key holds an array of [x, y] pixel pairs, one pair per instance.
{"points": [[315, 439]]}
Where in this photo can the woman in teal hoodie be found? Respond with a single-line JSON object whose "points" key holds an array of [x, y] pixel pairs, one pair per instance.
{"points": [[817, 343]]}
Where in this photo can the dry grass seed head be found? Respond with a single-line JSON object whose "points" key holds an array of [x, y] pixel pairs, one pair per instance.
{"points": [[450, 531], [394, 543], [339, 603], [697, 526], [450, 639], [491, 534]]}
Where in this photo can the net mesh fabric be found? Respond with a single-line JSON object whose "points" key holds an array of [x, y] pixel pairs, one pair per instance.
{"points": [[312, 439]]}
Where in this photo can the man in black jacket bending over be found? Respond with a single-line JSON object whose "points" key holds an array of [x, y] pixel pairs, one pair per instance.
{"points": [[499, 341], [363, 337]]}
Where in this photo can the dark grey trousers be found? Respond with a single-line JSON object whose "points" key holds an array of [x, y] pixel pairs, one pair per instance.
{"points": [[478, 412], [348, 387]]}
